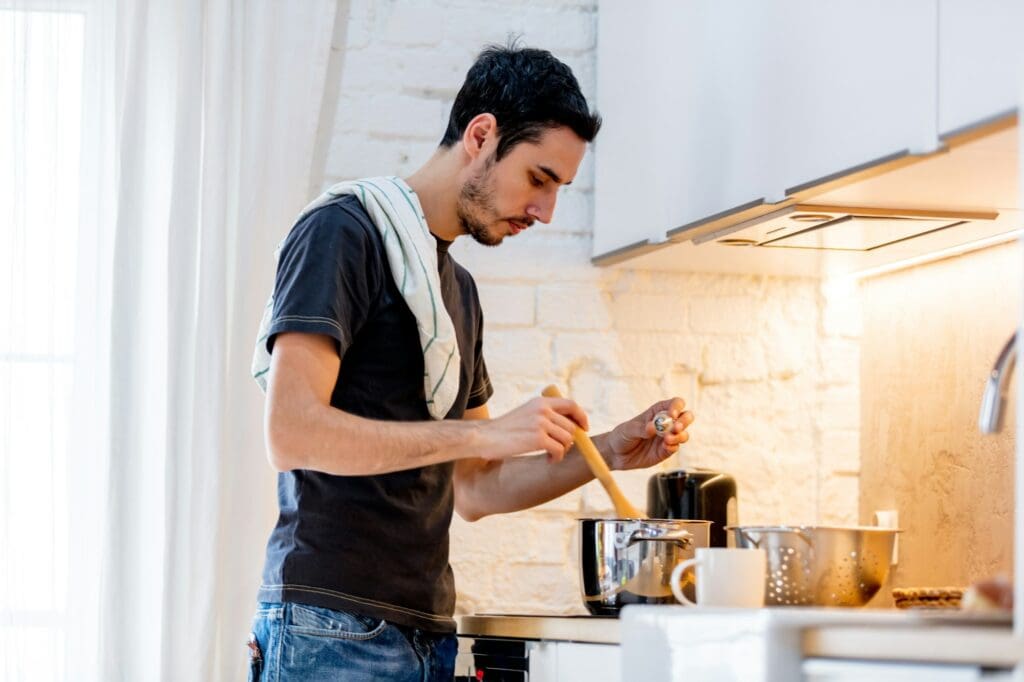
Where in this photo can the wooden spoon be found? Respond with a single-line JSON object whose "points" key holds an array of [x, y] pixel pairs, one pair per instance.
{"points": [[598, 467]]}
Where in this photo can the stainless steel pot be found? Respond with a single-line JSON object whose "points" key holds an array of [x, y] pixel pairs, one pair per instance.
{"points": [[821, 565], [630, 561]]}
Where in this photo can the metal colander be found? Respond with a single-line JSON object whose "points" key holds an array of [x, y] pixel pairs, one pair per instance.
{"points": [[821, 565]]}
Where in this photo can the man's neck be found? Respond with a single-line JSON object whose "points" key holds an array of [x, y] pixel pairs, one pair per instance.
{"points": [[436, 185]]}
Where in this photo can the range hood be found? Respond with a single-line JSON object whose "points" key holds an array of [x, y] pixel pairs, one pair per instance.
{"points": [[841, 228], [961, 197]]}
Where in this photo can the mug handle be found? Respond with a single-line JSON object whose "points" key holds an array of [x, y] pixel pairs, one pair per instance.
{"points": [[677, 575]]}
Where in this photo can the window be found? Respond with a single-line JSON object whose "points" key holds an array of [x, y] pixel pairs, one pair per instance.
{"points": [[41, 74]]}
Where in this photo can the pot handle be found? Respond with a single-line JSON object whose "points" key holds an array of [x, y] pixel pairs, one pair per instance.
{"points": [[681, 537], [746, 536], [676, 579]]}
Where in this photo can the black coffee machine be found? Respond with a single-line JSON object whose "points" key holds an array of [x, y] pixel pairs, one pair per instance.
{"points": [[695, 494]]}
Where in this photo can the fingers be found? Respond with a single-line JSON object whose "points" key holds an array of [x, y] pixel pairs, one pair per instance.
{"points": [[682, 423], [562, 422], [558, 441], [681, 418], [674, 406], [671, 442], [678, 434], [561, 418], [555, 448], [570, 409], [547, 424]]}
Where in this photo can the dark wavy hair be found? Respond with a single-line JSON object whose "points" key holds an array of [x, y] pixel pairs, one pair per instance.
{"points": [[527, 90]]}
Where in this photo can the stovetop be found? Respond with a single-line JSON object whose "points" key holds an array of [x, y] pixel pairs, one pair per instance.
{"points": [[585, 616], [571, 627]]}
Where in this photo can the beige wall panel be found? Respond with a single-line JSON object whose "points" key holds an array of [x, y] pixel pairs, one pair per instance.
{"points": [[931, 334]]}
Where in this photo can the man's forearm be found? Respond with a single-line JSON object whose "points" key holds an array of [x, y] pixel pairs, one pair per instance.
{"points": [[304, 431], [335, 442], [518, 483]]}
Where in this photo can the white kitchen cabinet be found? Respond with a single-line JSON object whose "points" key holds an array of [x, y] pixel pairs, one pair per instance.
{"points": [[784, 644], [712, 106], [979, 61], [583, 662]]}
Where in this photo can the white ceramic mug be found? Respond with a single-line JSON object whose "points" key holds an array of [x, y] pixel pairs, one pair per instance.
{"points": [[726, 576]]}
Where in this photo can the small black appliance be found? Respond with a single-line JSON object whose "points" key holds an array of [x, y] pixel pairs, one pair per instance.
{"points": [[696, 494]]}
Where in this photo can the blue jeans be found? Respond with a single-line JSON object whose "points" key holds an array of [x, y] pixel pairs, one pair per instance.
{"points": [[298, 642]]}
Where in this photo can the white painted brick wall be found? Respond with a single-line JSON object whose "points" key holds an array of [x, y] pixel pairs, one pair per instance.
{"points": [[735, 360], [840, 452], [769, 365], [573, 306], [508, 305], [723, 314]]}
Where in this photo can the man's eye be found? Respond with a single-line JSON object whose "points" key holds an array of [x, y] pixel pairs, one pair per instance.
{"points": [[535, 181]]}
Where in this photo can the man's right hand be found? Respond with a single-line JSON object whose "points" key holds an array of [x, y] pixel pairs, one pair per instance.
{"points": [[304, 431], [544, 424]]}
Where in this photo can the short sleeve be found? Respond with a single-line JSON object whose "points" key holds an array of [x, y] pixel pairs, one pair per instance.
{"points": [[328, 276], [481, 390]]}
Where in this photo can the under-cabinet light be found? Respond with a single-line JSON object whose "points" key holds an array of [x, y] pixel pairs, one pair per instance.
{"points": [[936, 255]]}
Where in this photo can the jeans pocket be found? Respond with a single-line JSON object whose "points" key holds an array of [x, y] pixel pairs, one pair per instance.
{"points": [[321, 622], [264, 645], [255, 659]]}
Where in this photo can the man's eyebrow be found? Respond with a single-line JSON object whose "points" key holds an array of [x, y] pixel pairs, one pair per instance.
{"points": [[552, 174]]}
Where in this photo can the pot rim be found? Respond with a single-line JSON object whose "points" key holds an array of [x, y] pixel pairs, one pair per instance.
{"points": [[639, 520], [791, 529]]}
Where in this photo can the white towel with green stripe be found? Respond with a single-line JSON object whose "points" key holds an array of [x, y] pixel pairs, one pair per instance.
{"points": [[412, 254]]}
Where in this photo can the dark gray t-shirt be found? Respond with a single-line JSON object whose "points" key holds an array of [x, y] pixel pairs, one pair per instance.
{"points": [[375, 545]]}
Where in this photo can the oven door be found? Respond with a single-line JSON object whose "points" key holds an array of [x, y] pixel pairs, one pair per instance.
{"points": [[490, 659], [486, 659]]}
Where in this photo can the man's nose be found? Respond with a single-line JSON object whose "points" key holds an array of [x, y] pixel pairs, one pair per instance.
{"points": [[542, 210]]}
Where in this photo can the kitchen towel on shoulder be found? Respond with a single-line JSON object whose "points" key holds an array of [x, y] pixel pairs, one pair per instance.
{"points": [[412, 254]]}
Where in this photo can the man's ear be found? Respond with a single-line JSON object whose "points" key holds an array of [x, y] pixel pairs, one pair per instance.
{"points": [[481, 130]]}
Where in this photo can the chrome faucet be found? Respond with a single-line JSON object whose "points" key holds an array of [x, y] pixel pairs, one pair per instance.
{"points": [[993, 402]]}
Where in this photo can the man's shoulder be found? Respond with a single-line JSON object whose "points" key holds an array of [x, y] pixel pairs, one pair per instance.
{"points": [[344, 213], [340, 223]]}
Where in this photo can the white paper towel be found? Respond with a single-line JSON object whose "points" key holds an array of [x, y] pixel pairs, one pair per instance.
{"points": [[889, 518]]}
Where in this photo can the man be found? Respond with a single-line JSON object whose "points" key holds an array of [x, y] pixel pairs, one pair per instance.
{"points": [[356, 584]]}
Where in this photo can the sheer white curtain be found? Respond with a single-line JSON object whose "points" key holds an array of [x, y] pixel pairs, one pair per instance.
{"points": [[40, 135], [196, 123]]}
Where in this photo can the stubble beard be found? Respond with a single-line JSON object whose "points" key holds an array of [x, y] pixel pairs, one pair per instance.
{"points": [[475, 208]]}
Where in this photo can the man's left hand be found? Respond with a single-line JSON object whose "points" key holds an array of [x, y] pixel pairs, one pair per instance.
{"points": [[635, 444]]}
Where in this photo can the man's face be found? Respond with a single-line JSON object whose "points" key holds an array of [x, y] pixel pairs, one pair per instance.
{"points": [[503, 198]]}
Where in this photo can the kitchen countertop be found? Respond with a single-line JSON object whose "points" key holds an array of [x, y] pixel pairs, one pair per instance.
{"points": [[875, 634], [771, 643], [986, 644], [593, 629]]}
